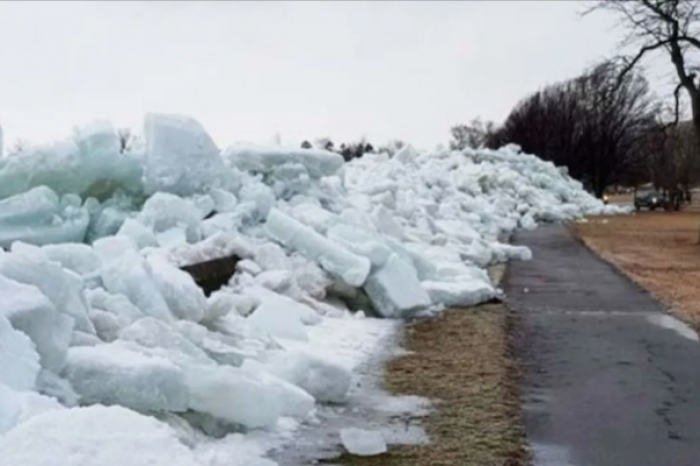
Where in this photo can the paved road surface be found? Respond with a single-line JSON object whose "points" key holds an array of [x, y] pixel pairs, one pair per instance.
{"points": [[608, 379]]}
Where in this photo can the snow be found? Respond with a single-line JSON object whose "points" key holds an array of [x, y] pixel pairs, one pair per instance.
{"points": [[96, 311], [363, 442], [94, 436]]}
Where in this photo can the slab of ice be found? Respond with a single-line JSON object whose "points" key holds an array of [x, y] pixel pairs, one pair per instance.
{"points": [[224, 201], [94, 436], [88, 164], [220, 303], [164, 211], [80, 258], [263, 159], [18, 358], [129, 274], [185, 299], [463, 293], [335, 259], [361, 242], [116, 304], [363, 442], [155, 334], [181, 158], [141, 235], [323, 379], [39, 217], [395, 290], [244, 397], [113, 374], [31, 312], [278, 321], [62, 287]]}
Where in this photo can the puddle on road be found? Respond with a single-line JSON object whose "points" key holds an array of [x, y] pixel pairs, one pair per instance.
{"points": [[369, 407]]}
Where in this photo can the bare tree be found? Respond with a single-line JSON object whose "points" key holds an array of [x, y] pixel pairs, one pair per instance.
{"points": [[668, 26], [20, 146], [590, 124], [126, 138], [325, 143], [474, 134]]}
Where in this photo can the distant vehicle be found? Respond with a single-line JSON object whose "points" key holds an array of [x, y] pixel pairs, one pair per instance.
{"points": [[606, 199], [651, 200]]}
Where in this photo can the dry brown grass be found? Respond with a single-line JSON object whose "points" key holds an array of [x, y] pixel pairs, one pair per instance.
{"points": [[658, 250], [462, 359]]}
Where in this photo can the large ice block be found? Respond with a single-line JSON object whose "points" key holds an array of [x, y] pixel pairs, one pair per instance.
{"points": [[181, 158], [264, 159], [395, 290], [334, 258], [113, 374]]}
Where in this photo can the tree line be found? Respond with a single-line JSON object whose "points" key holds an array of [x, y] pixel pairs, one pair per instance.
{"points": [[606, 125]]}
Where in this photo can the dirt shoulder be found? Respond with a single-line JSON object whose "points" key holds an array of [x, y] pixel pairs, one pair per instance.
{"points": [[462, 359], [659, 251]]}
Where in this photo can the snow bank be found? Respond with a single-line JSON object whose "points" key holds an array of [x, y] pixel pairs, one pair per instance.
{"points": [[94, 436], [96, 311]]}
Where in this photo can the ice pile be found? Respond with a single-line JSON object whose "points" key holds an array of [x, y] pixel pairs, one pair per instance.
{"points": [[96, 311]]}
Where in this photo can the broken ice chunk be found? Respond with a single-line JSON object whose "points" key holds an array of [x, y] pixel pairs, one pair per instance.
{"points": [[18, 358], [113, 374], [264, 159], [335, 259], [181, 157], [323, 379], [395, 290], [31, 312], [363, 442], [463, 293]]}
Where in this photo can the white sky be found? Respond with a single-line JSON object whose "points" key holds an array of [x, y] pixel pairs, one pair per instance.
{"points": [[247, 70]]}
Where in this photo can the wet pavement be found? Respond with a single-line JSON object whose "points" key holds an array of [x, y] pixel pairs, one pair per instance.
{"points": [[608, 378]]}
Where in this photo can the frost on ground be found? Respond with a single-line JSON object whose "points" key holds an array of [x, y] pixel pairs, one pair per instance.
{"points": [[101, 332]]}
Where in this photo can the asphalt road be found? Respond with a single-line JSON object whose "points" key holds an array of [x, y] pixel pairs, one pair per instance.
{"points": [[609, 379]]}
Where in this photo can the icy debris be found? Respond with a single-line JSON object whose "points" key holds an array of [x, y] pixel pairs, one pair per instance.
{"points": [[116, 322], [260, 159], [39, 216], [94, 436], [18, 358], [129, 274], [243, 397], [331, 256], [181, 158], [462, 293], [363, 442], [395, 290], [113, 374], [324, 380], [278, 320], [31, 312], [78, 257], [185, 299], [164, 212], [61, 286]]}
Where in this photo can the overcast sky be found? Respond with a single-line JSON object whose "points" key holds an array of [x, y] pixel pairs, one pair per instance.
{"points": [[247, 70]]}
